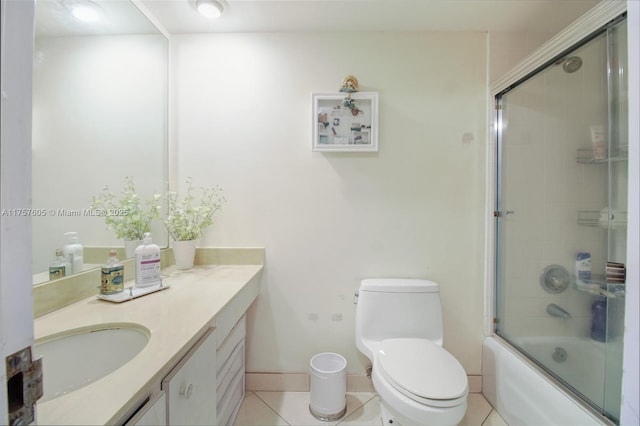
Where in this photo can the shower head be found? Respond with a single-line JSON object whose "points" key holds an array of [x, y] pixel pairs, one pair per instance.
{"points": [[571, 64]]}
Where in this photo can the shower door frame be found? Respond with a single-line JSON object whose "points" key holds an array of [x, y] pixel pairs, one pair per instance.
{"points": [[580, 32]]}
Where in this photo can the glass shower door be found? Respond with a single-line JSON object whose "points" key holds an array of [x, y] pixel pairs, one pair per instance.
{"points": [[561, 217]]}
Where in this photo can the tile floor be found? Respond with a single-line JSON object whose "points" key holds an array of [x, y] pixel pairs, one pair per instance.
{"points": [[363, 408]]}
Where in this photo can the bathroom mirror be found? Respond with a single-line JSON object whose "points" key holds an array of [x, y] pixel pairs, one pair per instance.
{"points": [[99, 115]]}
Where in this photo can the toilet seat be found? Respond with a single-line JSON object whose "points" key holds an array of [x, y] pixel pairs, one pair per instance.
{"points": [[422, 371]]}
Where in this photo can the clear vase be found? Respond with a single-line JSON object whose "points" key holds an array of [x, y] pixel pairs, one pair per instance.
{"points": [[130, 247], [184, 252]]}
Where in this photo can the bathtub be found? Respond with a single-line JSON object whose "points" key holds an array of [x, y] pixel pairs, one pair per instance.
{"points": [[522, 394]]}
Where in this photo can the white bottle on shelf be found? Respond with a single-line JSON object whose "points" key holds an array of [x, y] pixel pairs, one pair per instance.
{"points": [[147, 257], [73, 252]]}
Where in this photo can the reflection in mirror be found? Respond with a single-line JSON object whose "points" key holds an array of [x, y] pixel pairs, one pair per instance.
{"points": [[99, 116]]}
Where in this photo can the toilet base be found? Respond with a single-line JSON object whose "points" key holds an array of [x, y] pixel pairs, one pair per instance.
{"points": [[387, 417], [397, 409]]}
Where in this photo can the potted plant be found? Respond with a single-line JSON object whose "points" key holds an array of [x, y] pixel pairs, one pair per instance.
{"points": [[126, 214], [186, 220]]}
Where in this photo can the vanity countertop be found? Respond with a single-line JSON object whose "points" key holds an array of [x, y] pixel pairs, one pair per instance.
{"points": [[176, 318]]}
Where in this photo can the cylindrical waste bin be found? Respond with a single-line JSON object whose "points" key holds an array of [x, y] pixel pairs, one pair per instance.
{"points": [[328, 386]]}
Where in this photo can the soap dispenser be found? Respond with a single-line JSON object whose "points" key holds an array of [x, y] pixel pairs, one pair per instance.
{"points": [[147, 258], [73, 252]]}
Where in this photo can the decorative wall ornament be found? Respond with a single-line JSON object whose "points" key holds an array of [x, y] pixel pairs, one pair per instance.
{"points": [[349, 84]]}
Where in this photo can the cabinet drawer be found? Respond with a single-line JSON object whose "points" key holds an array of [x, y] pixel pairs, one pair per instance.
{"points": [[229, 406], [232, 367], [235, 309], [235, 336]]}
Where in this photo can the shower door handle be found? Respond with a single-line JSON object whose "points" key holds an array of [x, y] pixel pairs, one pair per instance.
{"points": [[498, 213]]}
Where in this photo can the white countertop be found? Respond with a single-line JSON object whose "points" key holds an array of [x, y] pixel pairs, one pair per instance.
{"points": [[176, 318]]}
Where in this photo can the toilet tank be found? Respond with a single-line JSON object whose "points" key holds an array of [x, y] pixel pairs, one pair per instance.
{"points": [[397, 307]]}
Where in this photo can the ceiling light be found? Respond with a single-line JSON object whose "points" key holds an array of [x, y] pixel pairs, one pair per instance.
{"points": [[85, 11], [209, 8]]}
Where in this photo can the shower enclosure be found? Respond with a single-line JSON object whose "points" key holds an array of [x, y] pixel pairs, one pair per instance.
{"points": [[561, 216]]}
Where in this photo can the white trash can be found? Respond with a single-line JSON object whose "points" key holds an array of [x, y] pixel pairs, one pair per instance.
{"points": [[328, 386]]}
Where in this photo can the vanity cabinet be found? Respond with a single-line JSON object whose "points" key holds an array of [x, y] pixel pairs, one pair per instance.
{"points": [[191, 370], [207, 386], [191, 385]]}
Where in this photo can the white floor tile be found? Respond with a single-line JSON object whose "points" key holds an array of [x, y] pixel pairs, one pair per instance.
{"points": [[293, 407], [254, 412], [494, 419], [264, 408], [367, 415], [478, 410]]}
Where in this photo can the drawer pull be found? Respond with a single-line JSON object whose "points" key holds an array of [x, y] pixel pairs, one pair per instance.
{"points": [[187, 391]]}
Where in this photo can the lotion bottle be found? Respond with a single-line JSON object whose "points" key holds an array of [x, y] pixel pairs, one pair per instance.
{"points": [[73, 252], [147, 257]]}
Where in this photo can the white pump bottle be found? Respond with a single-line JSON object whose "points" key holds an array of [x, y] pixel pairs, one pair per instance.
{"points": [[147, 257]]}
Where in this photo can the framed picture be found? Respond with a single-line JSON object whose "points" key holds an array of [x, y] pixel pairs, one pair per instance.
{"points": [[345, 121]]}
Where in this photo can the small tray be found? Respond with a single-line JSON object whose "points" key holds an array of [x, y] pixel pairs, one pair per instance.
{"points": [[132, 292]]}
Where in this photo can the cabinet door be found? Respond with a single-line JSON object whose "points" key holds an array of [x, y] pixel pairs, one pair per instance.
{"points": [[191, 385], [152, 414]]}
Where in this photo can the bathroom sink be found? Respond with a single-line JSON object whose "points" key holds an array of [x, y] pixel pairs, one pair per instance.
{"points": [[78, 357]]}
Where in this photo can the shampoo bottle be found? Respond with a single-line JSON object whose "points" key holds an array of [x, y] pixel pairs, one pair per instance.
{"points": [[58, 268], [73, 252], [112, 276], [147, 257], [583, 268]]}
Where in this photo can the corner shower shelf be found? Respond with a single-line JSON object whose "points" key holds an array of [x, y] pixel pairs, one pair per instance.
{"points": [[595, 287], [594, 219], [585, 156]]}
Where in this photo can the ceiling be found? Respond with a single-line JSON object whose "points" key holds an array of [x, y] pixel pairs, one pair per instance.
{"points": [[180, 16], [53, 18]]}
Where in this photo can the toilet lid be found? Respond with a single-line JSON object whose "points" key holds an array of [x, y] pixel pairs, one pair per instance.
{"points": [[422, 368]]}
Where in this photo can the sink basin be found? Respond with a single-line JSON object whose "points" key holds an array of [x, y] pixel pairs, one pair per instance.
{"points": [[76, 358]]}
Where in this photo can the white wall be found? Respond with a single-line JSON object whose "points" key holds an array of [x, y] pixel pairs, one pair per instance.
{"points": [[414, 209], [507, 49]]}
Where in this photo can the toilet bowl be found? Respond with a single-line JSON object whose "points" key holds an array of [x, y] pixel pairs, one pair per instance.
{"points": [[399, 328]]}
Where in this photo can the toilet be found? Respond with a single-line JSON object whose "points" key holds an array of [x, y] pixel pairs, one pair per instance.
{"points": [[399, 328]]}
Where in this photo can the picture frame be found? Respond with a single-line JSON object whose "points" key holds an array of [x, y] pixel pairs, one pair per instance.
{"points": [[345, 122]]}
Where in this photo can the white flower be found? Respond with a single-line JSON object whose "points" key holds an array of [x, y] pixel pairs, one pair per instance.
{"points": [[127, 216], [184, 220]]}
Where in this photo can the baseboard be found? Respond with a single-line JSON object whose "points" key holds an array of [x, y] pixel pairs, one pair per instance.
{"points": [[278, 382], [475, 383]]}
